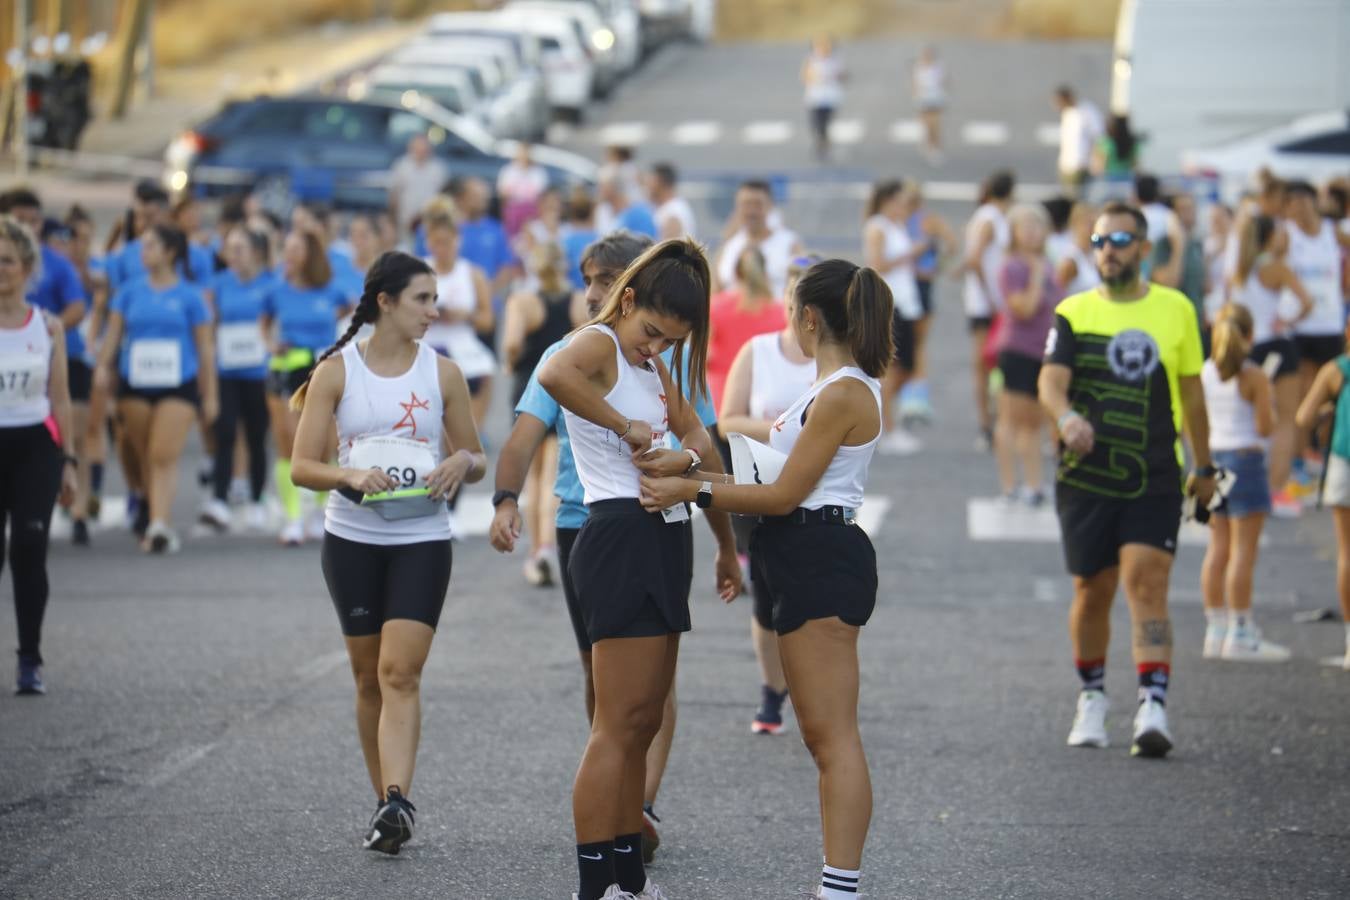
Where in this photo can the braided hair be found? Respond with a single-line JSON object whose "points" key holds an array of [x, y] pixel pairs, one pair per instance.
{"points": [[390, 275]]}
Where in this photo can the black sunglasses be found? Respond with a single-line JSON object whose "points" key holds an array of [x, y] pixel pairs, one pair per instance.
{"points": [[1118, 239]]}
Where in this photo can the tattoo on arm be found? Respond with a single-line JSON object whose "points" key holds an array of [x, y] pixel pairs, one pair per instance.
{"points": [[1153, 633]]}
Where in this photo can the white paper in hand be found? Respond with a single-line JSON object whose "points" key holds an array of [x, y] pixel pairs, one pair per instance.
{"points": [[756, 463]]}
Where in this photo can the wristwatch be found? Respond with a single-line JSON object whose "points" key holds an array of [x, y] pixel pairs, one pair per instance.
{"points": [[704, 498], [502, 496], [1206, 472], [694, 460]]}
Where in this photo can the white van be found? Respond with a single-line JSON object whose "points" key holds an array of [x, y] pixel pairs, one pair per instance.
{"points": [[568, 68], [1191, 73]]}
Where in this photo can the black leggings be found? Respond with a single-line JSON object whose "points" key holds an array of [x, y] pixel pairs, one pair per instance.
{"points": [[30, 481], [373, 583], [241, 398]]}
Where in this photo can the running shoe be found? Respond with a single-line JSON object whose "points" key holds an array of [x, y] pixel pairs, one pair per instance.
{"points": [[899, 443], [160, 538], [984, 441], [769, 718], [650, 838], [614, 893], [1250, 646], [1032, 498], [1089, 724], [215, 514], [256, 517], [1215, 635], [392, 826], [29, 678], [79, 533], [538, 571], [238, 493], [1151, 735], [650, 891], [292, 533], [138, 511]]}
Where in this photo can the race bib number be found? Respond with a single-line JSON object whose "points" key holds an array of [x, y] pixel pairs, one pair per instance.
{"points": [[240, 345], [406, 461], [23, 379], [156, 364]]}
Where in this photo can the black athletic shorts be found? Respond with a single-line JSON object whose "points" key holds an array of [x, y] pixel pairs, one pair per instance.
{"points": [[902, 335], [1093, 528], [1020, 372], [1319, 349], [1284, 346], [976, 324], [567, 539], [925, 295], [814, 570], [632, 571], [373, 583], [283, 384], [80, 378], [820, 119], [187, 392]]}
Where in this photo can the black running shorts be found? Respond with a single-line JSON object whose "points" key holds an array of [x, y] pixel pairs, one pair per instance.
{"points": [[1320, 349], [372, 583], [80, 378], [902, 336], [1093, 528], [1020, 372], [567, 539], [1284, 346], [814, 571], [187, 392]]}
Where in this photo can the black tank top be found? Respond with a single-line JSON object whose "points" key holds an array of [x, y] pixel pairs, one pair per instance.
{"points": [[557, 323]]}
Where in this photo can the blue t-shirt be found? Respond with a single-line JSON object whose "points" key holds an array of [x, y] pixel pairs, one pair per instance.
{"points": [[126, 266], [57, 287], [540, 403], [237, 301], [638, 218], [347, 279], [157, 315], [926, 265], [574, 244], [306, 317], [484, 243]]}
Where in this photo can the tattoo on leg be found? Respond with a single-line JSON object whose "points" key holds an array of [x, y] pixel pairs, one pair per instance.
{"points": [[1153, 633]]}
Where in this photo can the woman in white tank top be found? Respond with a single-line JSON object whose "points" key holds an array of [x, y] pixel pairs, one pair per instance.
{"points": [[1238, 399], [406, 442], [35, 430], [768, 375], [631, 568], [816, 562], [464, 301], [987, 237]]}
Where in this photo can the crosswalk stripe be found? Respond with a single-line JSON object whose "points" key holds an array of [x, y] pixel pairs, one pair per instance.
{"points": [[847, 131], [987, 134], [624, 134], [1047, 134], [993, 519], [907, 131], [696, 133], [772, 132]]}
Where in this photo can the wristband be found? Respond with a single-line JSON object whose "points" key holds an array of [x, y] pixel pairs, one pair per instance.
{"points": [[1071, 414], [502, 496], [629, 423], [1206, 471]]}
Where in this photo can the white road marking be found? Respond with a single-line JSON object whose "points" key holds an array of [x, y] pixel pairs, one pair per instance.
{"points": [[775, 132], [985, 134], [907, 131], [624, 134], [1047, 134], [991, 519], [847, 131], [696, 133], [1334, 662]]}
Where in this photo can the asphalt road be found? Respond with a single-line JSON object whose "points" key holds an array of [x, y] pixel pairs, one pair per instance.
{"points": [[198, 739]]}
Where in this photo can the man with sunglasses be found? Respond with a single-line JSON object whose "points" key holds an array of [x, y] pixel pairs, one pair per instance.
{"points": [[1121, 376]]}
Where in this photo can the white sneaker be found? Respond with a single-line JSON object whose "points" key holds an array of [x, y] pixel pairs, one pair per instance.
{"points": [[1250, 646], [1089, 724], [216, 514], [314, 520], [238, 493], [160, 538], [899, 443], [1151, 735], [1214, 638], [292, 533], [256, 517], [613, 893], [651, 891]]}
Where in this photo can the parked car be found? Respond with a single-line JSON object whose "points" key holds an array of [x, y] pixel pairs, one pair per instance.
{"points": [[512, 107], [595, 34], [529, 55], [338, 150], [451, 88], [664, 20], [1314, 147], [568, 68]]}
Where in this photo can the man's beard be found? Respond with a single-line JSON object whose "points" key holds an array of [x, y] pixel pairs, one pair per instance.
{"points": [[1122, 279]]}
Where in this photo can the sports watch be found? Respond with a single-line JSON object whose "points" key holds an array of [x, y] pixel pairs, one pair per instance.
{"points": [[704, 498], [502, 496]]}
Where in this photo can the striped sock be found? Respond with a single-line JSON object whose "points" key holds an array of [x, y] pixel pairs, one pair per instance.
{"points": [[287, 492], [1092, 672], [839, 884], [1153, 679]]}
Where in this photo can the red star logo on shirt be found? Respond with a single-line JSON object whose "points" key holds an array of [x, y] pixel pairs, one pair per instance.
{"points": [[409, 420], [665, 418]]}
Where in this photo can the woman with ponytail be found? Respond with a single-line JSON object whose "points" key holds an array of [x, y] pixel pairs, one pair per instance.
{"points": [[406, 441], [302, 309], [1238, 397], [159, 336], [808, 550]]}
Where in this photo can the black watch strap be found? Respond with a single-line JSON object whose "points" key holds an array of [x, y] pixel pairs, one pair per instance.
{"points": [[69, 460], [501, 497], [1206, 471]]}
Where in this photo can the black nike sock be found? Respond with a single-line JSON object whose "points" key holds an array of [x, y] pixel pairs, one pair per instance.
{"points": [[628, 870], [596, 864]]}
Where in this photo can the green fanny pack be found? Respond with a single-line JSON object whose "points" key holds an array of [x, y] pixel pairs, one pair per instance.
{"points": [[412, 503], [292, 360]]}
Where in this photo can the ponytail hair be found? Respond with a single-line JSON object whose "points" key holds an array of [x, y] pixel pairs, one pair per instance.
{"points": [[750, 270], [672, 279], [1233, 330], [389, 276], [856, 307], [882, 192], [1255, 235]]}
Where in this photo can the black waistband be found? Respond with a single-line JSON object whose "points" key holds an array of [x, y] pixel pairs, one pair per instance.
{"points": [[619, 506], [826, 515]]}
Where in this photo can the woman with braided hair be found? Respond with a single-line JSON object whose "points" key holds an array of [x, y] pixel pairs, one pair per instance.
{"points": [[406, 441]]}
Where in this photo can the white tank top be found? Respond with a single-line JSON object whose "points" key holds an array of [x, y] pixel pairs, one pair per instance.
{"points": [[1085, 276], [846, 476], [604, 462], [1262, 302], [25, 366], [979, 301], [775, 381], [455, 291], [929, 84], [394, 423], [900, 279], [1232, 421], [1316, 260]]}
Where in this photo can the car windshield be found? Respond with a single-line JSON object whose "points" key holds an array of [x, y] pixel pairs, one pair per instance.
{"points": [[443, 95]]}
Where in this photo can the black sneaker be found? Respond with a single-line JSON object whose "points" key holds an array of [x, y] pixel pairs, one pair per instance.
{"points": [[29, 679], [141, 523], [79, 533], [769, 718], [392, 825]]}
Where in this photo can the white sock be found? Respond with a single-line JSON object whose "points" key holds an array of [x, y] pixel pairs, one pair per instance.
{"points": [[1216, 618], [1241, 622], [839, 884]]}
